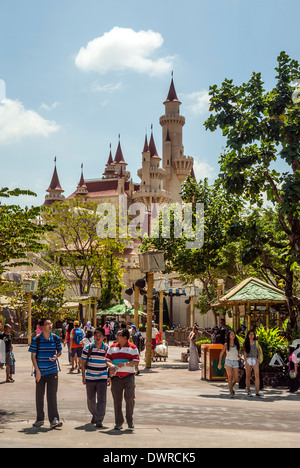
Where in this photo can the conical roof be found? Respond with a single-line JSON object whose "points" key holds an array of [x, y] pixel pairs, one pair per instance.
{"points": [[55, 183], [172, 96], [110, 158], [119, 158], [152, 147], [146, 146], [82, 181]]}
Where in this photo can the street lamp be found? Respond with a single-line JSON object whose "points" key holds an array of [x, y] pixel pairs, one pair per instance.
{"points": [[29, 286], [150, 262]]}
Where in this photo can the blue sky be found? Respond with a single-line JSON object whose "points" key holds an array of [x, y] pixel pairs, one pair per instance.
{"points": [[78, 73]]}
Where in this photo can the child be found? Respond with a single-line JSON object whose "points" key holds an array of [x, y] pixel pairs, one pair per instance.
{"points": [[13, 365]]}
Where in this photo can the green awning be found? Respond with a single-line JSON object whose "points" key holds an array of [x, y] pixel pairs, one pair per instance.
{"points": [[119, 309]]}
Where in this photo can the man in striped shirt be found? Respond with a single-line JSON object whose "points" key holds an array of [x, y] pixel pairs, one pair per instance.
{"points": [[123, 356], [95, 376]]}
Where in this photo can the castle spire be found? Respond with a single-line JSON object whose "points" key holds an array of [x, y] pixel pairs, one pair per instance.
{"points": [[152, 146], [81, 187], [172, 96], [146, 146], [81, 182], [55, 183], [110, 158], [119, 158], [55, 191]]}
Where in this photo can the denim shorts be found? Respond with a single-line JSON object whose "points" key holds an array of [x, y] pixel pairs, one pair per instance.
{"points": [[233, 364]]}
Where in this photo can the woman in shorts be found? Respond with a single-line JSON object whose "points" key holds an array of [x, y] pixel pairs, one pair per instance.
{"points": [[232, 350], [252, 358]]}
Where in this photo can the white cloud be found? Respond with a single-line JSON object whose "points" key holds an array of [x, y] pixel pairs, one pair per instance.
{"points": [[124, 49], [107, 88], [199, 102], [204, 170], [49, 108], [17, 122]]}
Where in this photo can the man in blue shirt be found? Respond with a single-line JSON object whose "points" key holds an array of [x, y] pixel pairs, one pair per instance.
{"points": [[45, 349]]}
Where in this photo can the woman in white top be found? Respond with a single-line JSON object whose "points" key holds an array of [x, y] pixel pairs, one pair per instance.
{"points": [[232, 349]]}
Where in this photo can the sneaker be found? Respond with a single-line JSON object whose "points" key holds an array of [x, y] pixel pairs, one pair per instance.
{"points": [[249, 394], [131, 427], [38, 424], [55, 423], [259, 394], [232, 396], [118, 427]]}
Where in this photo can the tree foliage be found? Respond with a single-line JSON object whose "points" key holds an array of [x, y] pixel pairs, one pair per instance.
{"points": [[85, 259], [262, 130], [20, 230]]}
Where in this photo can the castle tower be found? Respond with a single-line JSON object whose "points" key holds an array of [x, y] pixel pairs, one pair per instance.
{"points": [[176, 164], [110, 168], [152, 176], [120, 164], [81, 190], [55, 192]]}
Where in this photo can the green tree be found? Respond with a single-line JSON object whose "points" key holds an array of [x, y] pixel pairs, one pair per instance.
{"points": [[50, 296], [20, 230], [216, 258], [85, 259], [262, 128]]}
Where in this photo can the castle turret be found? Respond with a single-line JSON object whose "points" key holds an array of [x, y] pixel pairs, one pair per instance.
{"points": [[81, 190], [176, 164], [110, 168], [152, 175], [55, 192], [120, 163]]}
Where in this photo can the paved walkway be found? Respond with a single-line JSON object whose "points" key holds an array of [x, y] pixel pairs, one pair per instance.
{"points": [[174, 409]]}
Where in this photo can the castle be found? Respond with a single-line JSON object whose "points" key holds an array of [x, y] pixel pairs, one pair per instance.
{"points": [[159, 183]]}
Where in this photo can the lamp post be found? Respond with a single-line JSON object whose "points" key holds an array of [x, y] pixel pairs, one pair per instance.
{"points": [[150, 262], [29, 286], [95, 292]]}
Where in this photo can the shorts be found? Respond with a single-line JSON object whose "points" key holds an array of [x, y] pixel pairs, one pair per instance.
{"points": [[8, 359], [153, 344], [77, 351], [251, 361], [233, 364]]}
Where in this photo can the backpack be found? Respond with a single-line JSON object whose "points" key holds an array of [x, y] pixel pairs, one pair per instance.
{"points": [[78, 336], [91, 350]]}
